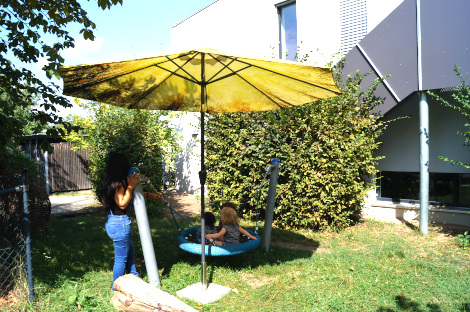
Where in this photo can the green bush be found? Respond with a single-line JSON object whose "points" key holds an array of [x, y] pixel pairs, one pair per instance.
{"points": [[326, 152], [139, 134]]}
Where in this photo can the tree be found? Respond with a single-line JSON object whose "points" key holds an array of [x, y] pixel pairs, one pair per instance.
{"points": [[143, 135], [19, 121], [30, 30], [461, 97]]}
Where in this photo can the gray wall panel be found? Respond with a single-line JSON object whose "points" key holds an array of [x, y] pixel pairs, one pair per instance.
{"points": [[445, 42]]}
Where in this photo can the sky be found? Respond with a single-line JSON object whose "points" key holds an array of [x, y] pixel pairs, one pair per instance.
{"points": [[137, 29]]}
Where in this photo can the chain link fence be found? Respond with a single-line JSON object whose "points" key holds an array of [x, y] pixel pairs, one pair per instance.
{"points": [[15, 250]]}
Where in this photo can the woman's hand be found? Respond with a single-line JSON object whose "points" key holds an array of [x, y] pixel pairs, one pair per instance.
{"points": [[133, 180]]}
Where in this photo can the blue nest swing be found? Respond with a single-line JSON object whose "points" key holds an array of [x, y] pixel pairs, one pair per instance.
{"points": [[230, 250]]}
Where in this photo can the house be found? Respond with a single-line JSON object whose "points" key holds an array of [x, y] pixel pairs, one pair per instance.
{"points": [[379, 37]]}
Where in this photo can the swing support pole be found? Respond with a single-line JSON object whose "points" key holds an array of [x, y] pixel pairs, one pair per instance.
{"points": [[268, 222]]}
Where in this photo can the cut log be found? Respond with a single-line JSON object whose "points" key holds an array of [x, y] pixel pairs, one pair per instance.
{"points": [[133, 294]]}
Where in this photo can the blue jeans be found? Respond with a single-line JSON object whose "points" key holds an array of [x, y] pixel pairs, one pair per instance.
{"points": [[118, 229]]}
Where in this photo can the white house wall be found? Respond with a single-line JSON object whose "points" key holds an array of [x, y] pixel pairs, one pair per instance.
{"points": [[251, 28], [187, 162], [243, 27], [248, 27], [400, 143]]}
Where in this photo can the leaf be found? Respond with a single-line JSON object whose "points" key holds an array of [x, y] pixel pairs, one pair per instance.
{"points": [[71, 299]]}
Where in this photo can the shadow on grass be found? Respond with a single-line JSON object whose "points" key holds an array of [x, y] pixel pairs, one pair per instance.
{"points": [[164, 239], [78, 245], [406, 304]]}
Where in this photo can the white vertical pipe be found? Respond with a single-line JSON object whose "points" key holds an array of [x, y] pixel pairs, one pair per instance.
{"points": [[423, 135], [145, 236]]}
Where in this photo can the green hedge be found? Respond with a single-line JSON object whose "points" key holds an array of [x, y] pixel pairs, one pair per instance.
{"points": [[140, 134], [326, 152]]}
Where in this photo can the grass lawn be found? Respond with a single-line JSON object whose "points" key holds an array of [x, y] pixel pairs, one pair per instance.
{"points": [[372, 266]]}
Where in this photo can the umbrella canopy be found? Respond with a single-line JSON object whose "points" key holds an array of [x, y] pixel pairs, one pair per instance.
{"points": [[173, 82], [203, 81]]}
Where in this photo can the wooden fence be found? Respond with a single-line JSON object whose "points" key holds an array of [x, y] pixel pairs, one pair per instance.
{"points": [[67, 170]]}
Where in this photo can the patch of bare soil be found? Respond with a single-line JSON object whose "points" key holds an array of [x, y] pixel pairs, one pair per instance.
{"points": [[288, 245], [188, 205]]}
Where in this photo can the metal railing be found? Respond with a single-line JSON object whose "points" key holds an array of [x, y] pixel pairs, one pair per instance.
{"points": [[16, 270]]}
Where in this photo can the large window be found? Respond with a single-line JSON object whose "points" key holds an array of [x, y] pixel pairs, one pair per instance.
{"points": [[287, 30], [451, 189]]}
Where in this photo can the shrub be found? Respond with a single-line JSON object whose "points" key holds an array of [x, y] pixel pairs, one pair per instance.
{"points": [[326, 152], [140, 134]]}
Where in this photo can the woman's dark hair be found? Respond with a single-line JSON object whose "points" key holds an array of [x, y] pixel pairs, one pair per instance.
{"points": [[116, 176]]}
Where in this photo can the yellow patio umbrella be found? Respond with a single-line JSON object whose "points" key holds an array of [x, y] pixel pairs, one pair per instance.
{"points": [[205, 81]]}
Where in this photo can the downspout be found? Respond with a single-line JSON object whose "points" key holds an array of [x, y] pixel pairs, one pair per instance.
{"points": [[279, 45], [423, 135]]}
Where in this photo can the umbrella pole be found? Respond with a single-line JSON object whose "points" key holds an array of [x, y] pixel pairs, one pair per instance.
{"points": [[202, 178]]}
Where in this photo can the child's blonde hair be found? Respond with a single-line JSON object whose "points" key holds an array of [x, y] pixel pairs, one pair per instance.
{"points": [[229, 216]]}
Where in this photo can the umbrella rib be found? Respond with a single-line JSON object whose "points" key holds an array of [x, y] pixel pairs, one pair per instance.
{"points": [[148, 92], [134, 71], [224, 66], [234, 72], [278, 73], [194, 80], [181, 76]]}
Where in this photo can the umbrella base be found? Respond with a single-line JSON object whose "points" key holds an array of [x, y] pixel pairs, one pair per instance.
{"points": [[213, 293]]}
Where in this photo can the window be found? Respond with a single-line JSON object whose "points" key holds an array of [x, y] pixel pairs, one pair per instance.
{"points": [[450, 189], [287, 30]]}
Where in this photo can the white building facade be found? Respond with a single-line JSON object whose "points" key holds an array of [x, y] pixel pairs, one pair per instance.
{"points": [[326, 31]]}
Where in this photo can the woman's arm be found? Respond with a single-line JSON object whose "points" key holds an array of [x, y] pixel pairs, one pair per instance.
{"points": [[246, 233], [217, 235], [123, 196]]}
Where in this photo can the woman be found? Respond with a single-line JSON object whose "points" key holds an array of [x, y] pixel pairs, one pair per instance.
{"points": [[117, 194]]}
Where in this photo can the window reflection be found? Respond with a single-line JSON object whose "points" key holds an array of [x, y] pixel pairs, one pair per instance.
{"points": [[288, 29], [452, 189]]}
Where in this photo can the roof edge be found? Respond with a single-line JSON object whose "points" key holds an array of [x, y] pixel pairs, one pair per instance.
{"points": [[183, 20]]}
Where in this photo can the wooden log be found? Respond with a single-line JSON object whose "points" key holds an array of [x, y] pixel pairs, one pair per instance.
{"points": [[133, 294]]}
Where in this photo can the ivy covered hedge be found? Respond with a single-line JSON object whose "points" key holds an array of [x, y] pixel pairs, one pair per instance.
{"points": [[326, 152], [142, 135]]}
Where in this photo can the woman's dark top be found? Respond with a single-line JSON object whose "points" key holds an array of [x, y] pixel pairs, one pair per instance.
{"points": [[116, 210]]}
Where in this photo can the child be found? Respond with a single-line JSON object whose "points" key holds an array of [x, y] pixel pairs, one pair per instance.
{"points": [[229, 234], [210, 227]]}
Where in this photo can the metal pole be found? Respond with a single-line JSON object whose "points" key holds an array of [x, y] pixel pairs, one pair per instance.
{"points": [[46, 170], [202, 178], [268, 222], [423, 135], [29, 260], [423, 164], [145, 236]]}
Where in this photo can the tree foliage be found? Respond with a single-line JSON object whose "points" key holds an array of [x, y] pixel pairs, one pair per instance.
{"points": [[29, 31], [19, 121], [461, 103], [143, 135], [326, 152]]}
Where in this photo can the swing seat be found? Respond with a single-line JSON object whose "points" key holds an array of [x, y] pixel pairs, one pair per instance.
{"points": [[230, 250]]}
